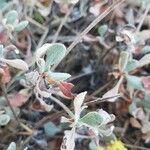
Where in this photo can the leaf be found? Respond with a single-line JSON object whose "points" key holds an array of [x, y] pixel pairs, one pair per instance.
{"points": [[124, 57], [17, 63], [145, 60], [102, 30], [66, 88], [58, 76], [92, 119], [19, 27], [113, 92], [68, 140], [9, 112], [146, 83], [78, 101], [6, 77], [4, 119], [11, 16], [67, 1], [145, 49], [134, 82], [19, 99], [135, 123], [55, 53], [131, 65], [12, 146], [51, 129]]}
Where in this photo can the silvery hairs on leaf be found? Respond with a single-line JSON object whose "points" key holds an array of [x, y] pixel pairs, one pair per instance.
{"points": [[67, 1], [113, 92], [12, 146], [69, 140], [54, 54]]}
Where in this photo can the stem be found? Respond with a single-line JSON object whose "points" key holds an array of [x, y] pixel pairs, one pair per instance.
{"points": [[143, 18], [62, 23], [63, 106], [102, 99], [6, 97], [91, 25]]}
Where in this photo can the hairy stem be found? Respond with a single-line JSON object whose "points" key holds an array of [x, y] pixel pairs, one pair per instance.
{"points": [[6, 97], [63, 106]]}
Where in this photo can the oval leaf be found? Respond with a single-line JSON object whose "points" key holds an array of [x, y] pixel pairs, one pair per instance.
{"points": [[145, 60], [4, 119], [55, 53], [12, 146], [58, 76], [102, 30], [11, 16], [134, 82], [17, 63], [19, 27], [124, 57], [92, 119]]}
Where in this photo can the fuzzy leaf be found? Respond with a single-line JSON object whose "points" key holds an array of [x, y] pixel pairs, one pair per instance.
{"points": [[102, 30], [78, 101], [66, 88], [58, 76], [145, 49], [134, 82], [55, 53], [92, 119], [11, 16], [17, 63], [4, 119], [124, 57], [113, 92], [68, 140], [19, 99], [145, 60], [131, 65], [19, 27], [51, 129], [12, 146]]}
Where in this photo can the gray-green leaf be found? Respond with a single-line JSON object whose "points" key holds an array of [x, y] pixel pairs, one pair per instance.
{"points": [[102, 30], [92, 119], [131, 65], [134, 82], [51, 129], [11, 16], [12, 146], [124, 57], [4, 119], [55, 53], [19, 27]]}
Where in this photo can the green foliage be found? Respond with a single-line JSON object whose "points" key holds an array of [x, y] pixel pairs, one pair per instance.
{"points": [[124, 57], [92, 119], [134, 82], [12, 146], [20, 26], [51, 129], [4, 119], [11, 17], [102, 30]]}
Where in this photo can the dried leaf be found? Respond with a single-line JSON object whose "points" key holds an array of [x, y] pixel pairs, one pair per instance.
{"points": [[145, 60], [66, 88], [19, 99], [113, 92], [17, 63]]}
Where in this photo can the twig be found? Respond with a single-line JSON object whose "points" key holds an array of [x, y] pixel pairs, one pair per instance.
{"points": [[5, 95], [91, 25], [101, 99], [62, 23], [136, 147], [36, 23], [143, 18], [63, 106]]}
